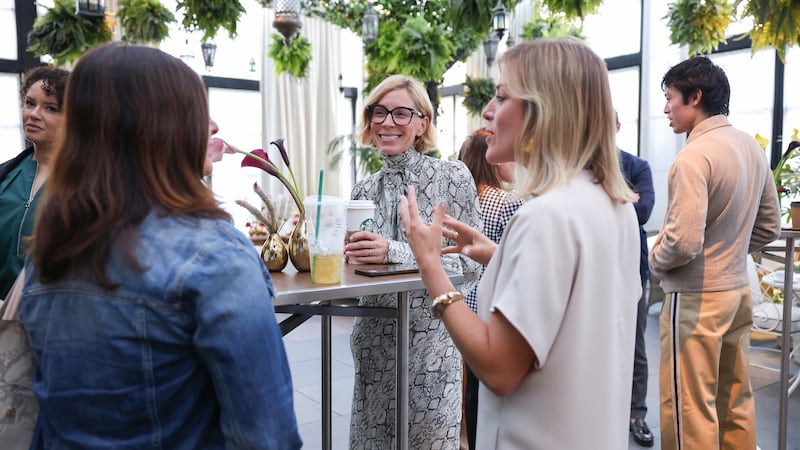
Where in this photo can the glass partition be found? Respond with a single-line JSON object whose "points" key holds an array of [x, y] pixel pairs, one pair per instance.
{"points": [[10, 118]]}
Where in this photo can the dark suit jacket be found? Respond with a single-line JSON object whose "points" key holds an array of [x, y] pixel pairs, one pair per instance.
{"points": [[640, 179]]}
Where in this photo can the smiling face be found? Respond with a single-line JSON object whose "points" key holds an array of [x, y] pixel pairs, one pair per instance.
{"points": [[393, 139], [42, 117], [504, 116], [683, 117]]}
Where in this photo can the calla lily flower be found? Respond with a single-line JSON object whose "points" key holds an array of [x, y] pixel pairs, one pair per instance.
{"points": [[285, 156], [259, 158]]}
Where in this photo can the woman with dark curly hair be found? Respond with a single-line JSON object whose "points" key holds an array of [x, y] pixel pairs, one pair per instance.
{"points": [[42, 97]]}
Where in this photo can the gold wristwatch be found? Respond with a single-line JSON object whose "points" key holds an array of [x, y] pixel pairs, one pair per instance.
{"points": [[441, 302]]}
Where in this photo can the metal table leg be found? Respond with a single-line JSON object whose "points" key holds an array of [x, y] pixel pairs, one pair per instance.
{"points": [[401, 423], [788, 287], [326, 382]]}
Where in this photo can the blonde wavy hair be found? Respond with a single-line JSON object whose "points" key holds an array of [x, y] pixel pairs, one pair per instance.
{"points": [[568, 120], [422, 103]]}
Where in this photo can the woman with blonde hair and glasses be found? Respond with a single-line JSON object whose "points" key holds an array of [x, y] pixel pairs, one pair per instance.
{"points": [[397, 121], [554, 332]]}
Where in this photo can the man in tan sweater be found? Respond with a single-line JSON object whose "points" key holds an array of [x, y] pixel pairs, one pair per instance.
{"points": [[722, 204]]}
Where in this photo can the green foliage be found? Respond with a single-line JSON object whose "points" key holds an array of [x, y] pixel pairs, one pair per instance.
{"points": [[368, 159], [478, 94], [144, 21], [380, 54], [455, 25], [573, 9], [293, 58], [550, 26], [699, 24], [426, 52], [64, 35], [777, 24], [474, 15], [209, 16]]}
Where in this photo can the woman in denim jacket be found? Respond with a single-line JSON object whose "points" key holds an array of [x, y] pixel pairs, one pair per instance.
{"points": [[148, 313]]}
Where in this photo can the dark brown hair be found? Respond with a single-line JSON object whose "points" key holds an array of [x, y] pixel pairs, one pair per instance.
{"points": [[473, 154], [54, 82], [136, 136]]}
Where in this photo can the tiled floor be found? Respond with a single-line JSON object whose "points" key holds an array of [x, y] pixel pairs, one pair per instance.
{"points": [[303, 349]]}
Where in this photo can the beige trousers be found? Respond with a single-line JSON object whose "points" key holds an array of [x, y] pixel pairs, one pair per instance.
{"points": [[706, 398]]}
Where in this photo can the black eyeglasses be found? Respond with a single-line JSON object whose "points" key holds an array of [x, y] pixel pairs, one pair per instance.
{"points": [[400, 115]]}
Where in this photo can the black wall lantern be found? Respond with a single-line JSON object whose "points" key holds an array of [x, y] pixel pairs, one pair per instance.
{"points": [[90, 8], [499, 19], [369, 29], [490, 48], [209, 52]]}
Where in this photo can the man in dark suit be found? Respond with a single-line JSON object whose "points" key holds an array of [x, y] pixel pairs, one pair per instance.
{"points": [[640, 179]]}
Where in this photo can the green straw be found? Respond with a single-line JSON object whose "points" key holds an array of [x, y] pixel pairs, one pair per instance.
{"points": [[316, 227], [319, 205]]}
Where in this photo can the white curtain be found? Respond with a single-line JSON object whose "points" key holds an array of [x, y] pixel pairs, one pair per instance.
{"points": [[304, 111]]}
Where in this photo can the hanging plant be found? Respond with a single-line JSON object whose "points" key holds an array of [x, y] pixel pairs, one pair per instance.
{"points": [[699, 24], [144, 21], [294, 58], [479, 92], [209, 16], [777, 24], [66, 36], [552, 26], [421, 50], [573, 9]]}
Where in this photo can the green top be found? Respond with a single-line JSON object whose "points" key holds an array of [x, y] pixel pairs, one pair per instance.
{"points": [[16, 220]]}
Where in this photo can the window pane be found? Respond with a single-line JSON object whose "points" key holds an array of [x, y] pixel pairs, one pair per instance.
{"points": [[791, 95], [752, 81], [626, 102], [8, 23], [10, 126], [614, 30], [229, 181], [451, 127]]}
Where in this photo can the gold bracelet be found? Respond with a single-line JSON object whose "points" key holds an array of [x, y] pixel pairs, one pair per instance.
{"points": [[441, 302]]}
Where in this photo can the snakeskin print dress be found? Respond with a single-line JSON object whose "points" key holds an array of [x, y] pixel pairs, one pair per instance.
{"points": [[434, 364]]}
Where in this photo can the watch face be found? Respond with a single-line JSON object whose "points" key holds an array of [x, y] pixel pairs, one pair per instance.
{"points": [[437, 309]]}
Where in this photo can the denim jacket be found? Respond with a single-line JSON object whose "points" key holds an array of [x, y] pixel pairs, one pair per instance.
{"points": [[185, 355]]}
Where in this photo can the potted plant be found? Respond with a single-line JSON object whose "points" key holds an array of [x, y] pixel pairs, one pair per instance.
{"points": [[777, 24], [293, 58], [369, 158], [144, 21], [209, 16], [551, 26], [64, 35], [479, 92], [699, 25], [573, 8]]}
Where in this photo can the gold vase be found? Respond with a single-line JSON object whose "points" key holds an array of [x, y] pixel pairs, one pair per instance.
{"points": [[299, 251], [274, 253]]}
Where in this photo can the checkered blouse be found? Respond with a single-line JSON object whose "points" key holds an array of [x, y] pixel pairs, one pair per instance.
{"points": [[497, 210]]}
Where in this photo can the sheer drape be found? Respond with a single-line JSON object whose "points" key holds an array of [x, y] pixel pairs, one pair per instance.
{"points": [[304, 111]]}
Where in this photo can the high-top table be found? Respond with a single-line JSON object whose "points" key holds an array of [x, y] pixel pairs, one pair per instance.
{"points": [[788, 249], [299, 297]]}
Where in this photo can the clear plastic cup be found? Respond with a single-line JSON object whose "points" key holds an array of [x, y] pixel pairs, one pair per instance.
{"points": [[326, 227]]}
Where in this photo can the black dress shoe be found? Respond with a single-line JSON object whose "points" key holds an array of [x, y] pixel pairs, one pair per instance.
{"points": [[641, 433]]}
